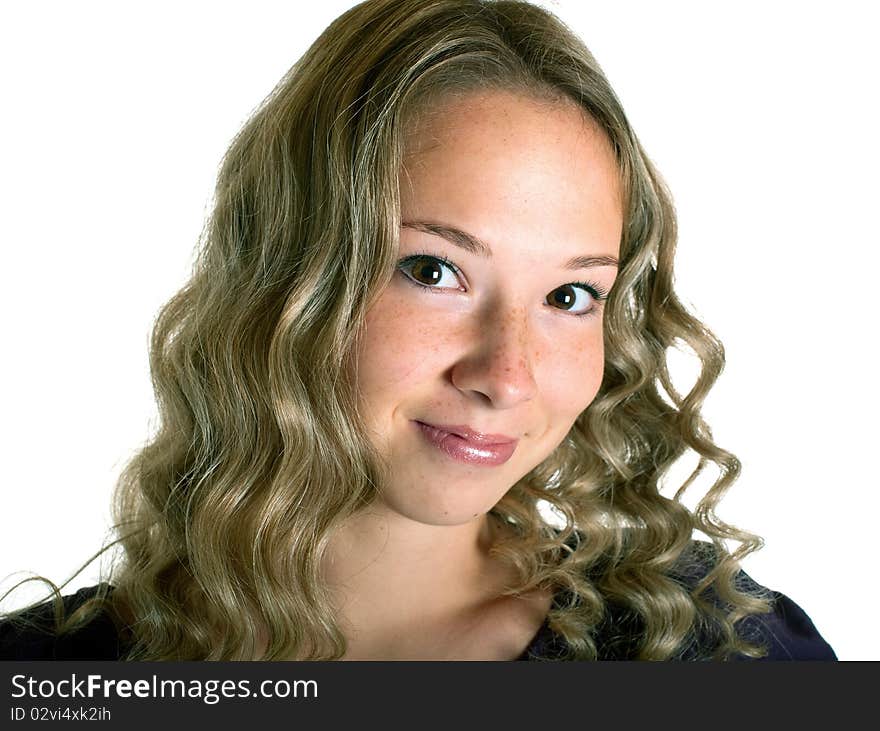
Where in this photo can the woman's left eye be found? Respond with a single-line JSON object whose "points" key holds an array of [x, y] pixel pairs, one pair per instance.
{"points": [[427, 271], [590, 294]]}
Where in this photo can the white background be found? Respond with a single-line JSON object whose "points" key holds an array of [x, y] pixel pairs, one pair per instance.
{"points": [[761, 116]]}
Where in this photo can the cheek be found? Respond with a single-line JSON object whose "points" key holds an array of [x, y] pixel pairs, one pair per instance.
{"points": [[398, 349], [572, 376]]}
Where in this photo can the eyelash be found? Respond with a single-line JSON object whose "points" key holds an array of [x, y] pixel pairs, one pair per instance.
{"points": [[598, 293]]}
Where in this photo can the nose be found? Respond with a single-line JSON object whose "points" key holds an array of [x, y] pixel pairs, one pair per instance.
{"points": [[501, 363]]}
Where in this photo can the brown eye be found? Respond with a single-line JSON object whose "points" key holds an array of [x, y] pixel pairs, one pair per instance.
{"points": [[563, 296], [426, 271], [430, 271], [566, 298]]}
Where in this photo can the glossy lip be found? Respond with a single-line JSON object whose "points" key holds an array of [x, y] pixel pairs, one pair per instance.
{"points": [[465, 450], [472, 435]]}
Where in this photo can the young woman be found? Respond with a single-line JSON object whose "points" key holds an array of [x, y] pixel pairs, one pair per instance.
{"points": [[414, 400]]}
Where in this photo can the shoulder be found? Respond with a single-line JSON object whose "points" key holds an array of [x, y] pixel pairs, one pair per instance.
{"points": [[787, 632], [30, 635]]}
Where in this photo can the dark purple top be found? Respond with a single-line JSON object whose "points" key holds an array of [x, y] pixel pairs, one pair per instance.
{"points": [[787, 633]]}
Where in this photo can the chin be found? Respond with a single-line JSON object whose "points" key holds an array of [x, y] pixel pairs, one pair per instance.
{"points": [[437, 514]]}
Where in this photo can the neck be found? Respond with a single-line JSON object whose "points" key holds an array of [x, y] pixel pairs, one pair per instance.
{"points": [[377, 551], [386, 571]]}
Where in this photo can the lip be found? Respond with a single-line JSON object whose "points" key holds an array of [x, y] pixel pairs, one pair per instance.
{"points": [[489, 451], [472, 435]]}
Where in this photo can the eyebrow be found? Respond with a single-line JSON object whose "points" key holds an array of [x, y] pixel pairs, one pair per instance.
{"points": [[473, 245]]}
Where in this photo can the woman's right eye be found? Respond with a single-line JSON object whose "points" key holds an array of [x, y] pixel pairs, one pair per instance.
{"points": [[429, 272]]}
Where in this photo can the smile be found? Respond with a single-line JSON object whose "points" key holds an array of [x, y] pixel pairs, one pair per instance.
{"points": [[466, 450]]}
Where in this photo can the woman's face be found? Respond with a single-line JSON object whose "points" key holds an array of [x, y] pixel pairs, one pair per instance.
{"points": [[521, 198]]}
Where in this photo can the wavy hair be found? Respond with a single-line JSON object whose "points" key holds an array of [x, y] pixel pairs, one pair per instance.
{"points": [[225, 514]]}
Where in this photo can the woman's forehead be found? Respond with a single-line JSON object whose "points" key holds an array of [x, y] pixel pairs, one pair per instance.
{"points": [[450, 116], [501, 161]]}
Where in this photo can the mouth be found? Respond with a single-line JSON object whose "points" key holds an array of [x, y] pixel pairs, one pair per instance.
{"points": [[472, 435], [484, 449]]}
